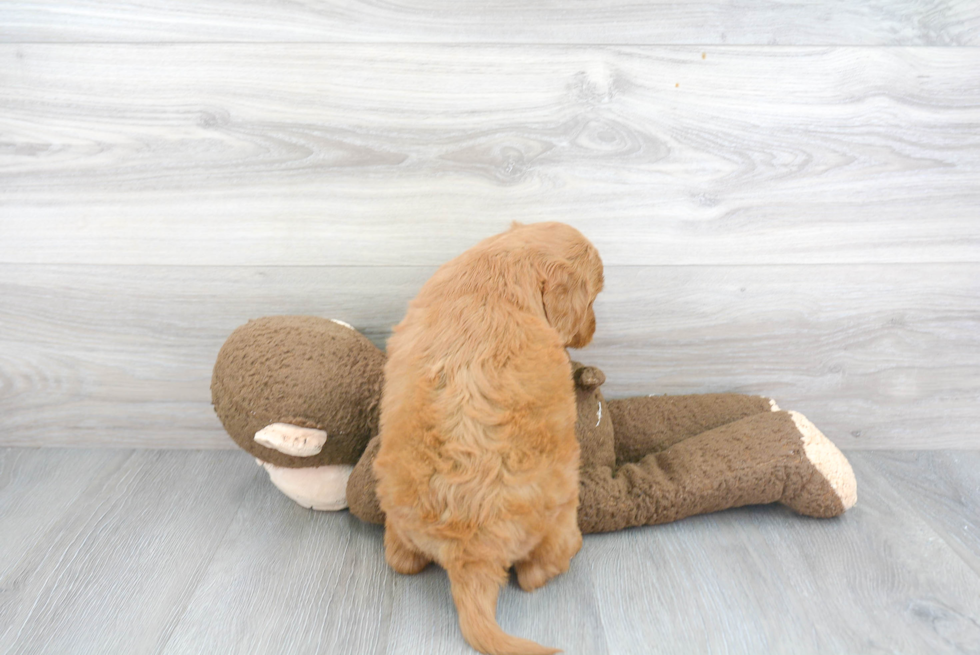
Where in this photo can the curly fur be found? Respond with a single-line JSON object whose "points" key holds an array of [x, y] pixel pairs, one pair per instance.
{"points": [[478, 467]]}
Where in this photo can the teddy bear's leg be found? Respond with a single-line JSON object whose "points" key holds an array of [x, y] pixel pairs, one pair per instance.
{"points": [[315, 487], [650, 424], [832, 469], [552, 556], [763, 458], [401, 555]]}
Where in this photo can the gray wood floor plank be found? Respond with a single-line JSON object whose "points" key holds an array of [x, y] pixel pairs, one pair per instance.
{"points": [[877, 356], [764, 580], [299, 581], [306, 582], [114, 573], [406, 154], [35, 492], [227, 564], [287, 579], [942, 488], [904, 22]]}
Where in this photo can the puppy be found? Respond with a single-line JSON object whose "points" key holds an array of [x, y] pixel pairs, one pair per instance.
{"points": [[478, 465]]}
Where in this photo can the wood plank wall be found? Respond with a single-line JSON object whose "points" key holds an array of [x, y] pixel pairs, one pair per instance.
{"points": [[786, 195]]}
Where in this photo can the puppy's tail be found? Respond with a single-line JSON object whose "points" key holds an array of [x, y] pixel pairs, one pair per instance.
{"points": [[475, 587]]}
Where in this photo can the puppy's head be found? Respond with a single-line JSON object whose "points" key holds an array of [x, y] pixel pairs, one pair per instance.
{"points": [[570, 274]]}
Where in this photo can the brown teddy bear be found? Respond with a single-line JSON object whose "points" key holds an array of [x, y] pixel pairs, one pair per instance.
{"points": [[301, 394]]}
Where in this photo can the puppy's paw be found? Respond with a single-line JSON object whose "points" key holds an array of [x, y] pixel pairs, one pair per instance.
{"points": [[407, 563], [403, 558], [534, 574]]}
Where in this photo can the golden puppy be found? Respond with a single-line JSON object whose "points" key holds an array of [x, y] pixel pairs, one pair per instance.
{"points": [[478, 466]]}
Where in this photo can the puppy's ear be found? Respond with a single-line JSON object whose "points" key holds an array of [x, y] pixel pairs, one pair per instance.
{"points": [[565, 294]]}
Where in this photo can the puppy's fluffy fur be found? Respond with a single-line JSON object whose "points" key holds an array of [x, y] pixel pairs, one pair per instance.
{"points": [[478, 466]]}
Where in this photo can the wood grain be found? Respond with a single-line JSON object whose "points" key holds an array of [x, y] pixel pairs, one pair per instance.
{"points": [[115, 570], [877, 356], [289, 580], [866, 22], [764, 580], [941, 488], [37, 487], [181, 552], [227, 154]]}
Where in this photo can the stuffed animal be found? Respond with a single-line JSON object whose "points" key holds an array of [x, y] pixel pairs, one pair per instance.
{"points": [[301, 394]]}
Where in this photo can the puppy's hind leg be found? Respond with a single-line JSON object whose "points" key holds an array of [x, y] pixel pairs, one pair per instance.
{"points": [[401, 555], [554, 554]]}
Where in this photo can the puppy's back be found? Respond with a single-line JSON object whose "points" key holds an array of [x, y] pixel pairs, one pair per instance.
{"points": [[478, 450]]}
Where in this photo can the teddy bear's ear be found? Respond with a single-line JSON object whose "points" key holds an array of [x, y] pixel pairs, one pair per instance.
{"points": [[589, 378]]}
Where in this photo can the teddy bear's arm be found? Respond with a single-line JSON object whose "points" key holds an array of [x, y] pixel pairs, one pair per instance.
{"points": [[361, 497], [650, 424], [764, 458]]}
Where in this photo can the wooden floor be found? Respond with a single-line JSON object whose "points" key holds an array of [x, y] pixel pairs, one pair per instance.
{"points": [[138, 551]]}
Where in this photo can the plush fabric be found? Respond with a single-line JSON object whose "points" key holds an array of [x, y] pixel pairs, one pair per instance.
{"points": [[704, 453], [644, 460], [300, 370], [649, 424]]}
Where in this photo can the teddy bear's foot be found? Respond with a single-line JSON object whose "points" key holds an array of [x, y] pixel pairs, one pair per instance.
{"points": [[831, 488], [316, 487], [292, 439]]}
